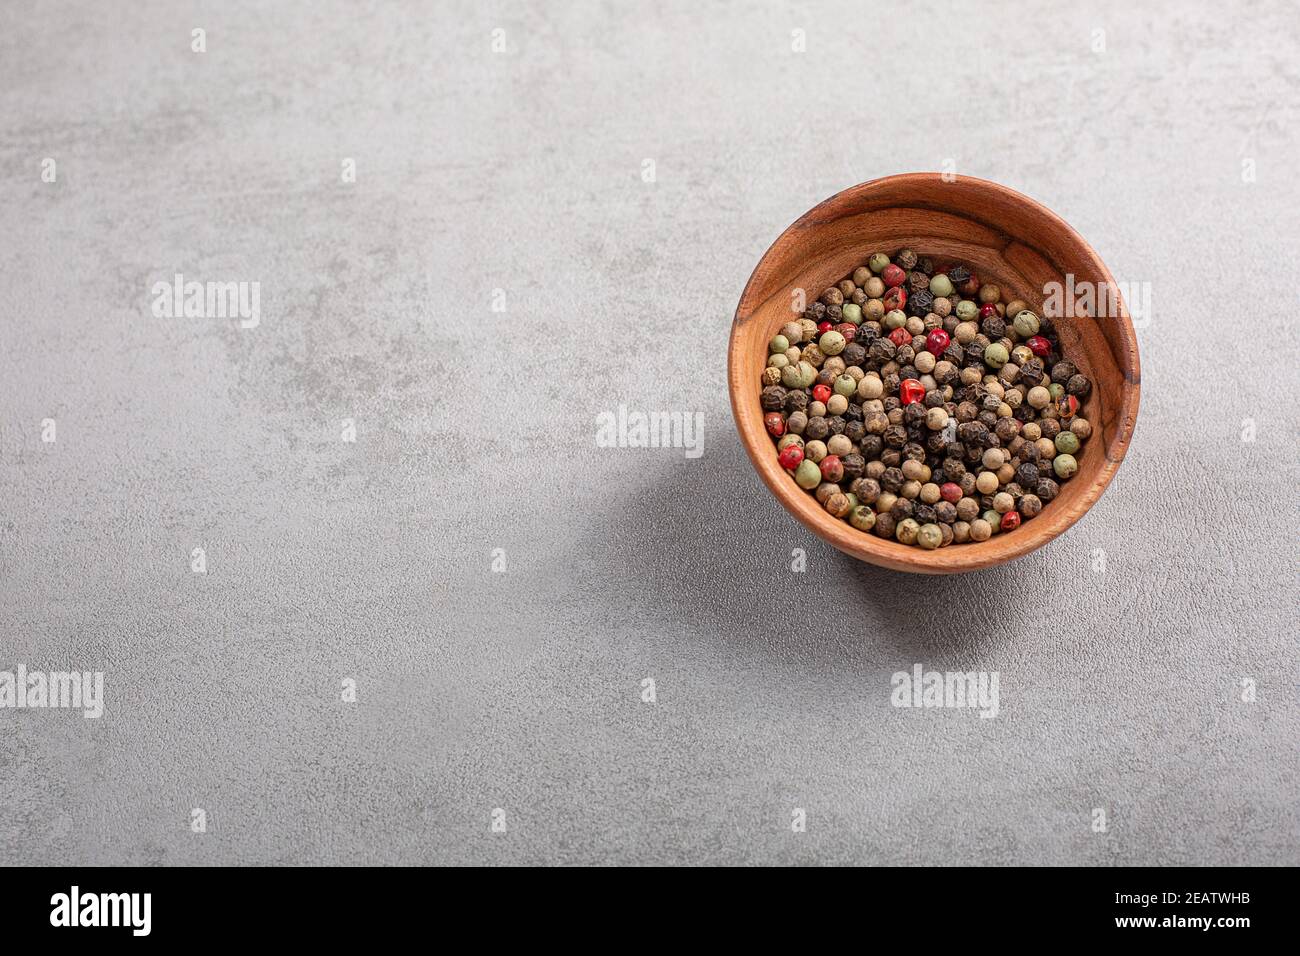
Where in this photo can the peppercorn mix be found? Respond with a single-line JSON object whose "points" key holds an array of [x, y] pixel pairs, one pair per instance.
{"points": [[915, 404]]}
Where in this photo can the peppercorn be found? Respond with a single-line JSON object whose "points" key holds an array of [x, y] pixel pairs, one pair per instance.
{"points": [[906, 258], [831, 343], [862, 518], [921, 301], [838, 505], [1067, 442], [1063, 371], [929, 536], [1082, 428], [1046, 489], [1078, 386], [884, 525], [773, 398], [1025, 323], [1030, 505], [807, 475], [1010, 521], [895, 299], [906, 530], [941, 285], [774, 422], [1065, 466], [980, 530], [958, 274], [790, 456]]}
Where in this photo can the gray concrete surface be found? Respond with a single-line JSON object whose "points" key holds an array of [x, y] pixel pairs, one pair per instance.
{"points": [[1172, 150]]}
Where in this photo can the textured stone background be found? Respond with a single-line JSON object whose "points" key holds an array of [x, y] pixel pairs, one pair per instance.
{"points": [[521, 171]]}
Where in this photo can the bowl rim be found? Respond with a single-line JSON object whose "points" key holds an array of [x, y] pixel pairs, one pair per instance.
{"points": [[892, 554]]}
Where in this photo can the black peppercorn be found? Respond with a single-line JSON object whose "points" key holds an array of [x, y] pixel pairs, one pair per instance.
{"points": [[853, 466], [905, 259], [921, 301], [854, 354], [1079, 386], [1032, 371], [816, 311], [818, 428], [994, 327], [1046, 489], [1063, 371], [924, 514], [854, 432], [890, 458], [936, 442], [918, 282], [973, 356], [836, 423], [773, 398], [882, 350], [884, 527], [925, 265], [914, 413], [871, 446], [892, 479], [945, 511], [958, 274], [896, 436], [834, 313], [953, 468], [902, 509]]}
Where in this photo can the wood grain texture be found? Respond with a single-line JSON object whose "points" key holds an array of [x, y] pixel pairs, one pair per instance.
{"points": [[1006, 238]]}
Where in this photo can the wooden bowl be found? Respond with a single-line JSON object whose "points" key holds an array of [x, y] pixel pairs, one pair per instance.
{"points": [[1005, 238]]}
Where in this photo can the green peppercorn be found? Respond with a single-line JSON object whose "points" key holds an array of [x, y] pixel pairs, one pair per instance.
{"points": [[1067, 442], [967, 311], [779, 343], [808, 476], [1025, 323], [862, 518], [877, 262], [1056, 390], [929, 536], [941, 285], [906, 530], [831, 343], [994, 519], [852, 313], [996, 355], [1064, 465], [846, 385], [895, 319]]}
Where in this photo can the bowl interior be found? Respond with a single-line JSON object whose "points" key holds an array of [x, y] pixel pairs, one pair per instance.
{"points": [[1005, 238]]}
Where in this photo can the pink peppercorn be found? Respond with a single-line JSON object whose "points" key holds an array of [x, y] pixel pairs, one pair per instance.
{"points": [[832, 468], [825, 326], [775, 424], [895, 298], [1011, 521], [848, 330], [910, 390], [936, 342], [790, 456], [987, 309], [900, 336], [1039, 346], [821, 393], [892, 275], [948, 491]]}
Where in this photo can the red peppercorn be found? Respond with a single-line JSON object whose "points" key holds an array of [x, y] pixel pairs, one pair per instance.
{"points": [[791, 456], [936, 342], [821, 393], [1039, 346], [892, 275], [987, 309], [832, 468], [910, 390], [848, 330], [1068, 406], [775, 423], [895, 298], [1011, 521], [900, 336], [825, 326], [950, 491]]}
